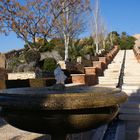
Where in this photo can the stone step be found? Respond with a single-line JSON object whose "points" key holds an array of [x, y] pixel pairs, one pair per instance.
{"points": [[130, 111], [131, 105], [108, 82], [108, 78], [113, 70], [135, 74], [134, 78], [135, 98], [120, 135], [132, 135], [112, 66], [111, 74], [129, 117], [133, 125], [134, 63], [131, 92], [131, 72], [131, 67], [107, 85], [132, 82], [131, 87]]}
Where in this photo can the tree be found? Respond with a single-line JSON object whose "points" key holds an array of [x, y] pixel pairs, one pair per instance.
{"points": [[70, 22], [126, 41], [102, 35], [31, 19], [81, 48], [113, 38], [99, 31]]}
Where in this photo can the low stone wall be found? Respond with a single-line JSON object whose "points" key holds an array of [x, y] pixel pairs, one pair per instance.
{"points": [[3, 74], [21, 75], [137, 53]]}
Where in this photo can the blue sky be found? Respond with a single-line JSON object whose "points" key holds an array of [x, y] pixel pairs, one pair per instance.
{"points": [[119, 15]]}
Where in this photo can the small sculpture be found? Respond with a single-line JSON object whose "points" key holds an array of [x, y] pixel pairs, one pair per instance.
{"points": [[59, 75]]}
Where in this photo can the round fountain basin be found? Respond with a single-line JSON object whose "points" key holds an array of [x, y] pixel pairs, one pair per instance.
{"points": [[49, 111]]}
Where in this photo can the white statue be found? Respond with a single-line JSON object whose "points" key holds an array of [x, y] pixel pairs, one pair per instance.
{"points": [[60, 77]]}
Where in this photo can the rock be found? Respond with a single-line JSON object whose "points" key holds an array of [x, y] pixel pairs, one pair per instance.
{"points": [[53, 54]]}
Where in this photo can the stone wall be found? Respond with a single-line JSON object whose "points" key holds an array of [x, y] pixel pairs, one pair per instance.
{"points": [[21, 75], [3, 74], [2, 60]]}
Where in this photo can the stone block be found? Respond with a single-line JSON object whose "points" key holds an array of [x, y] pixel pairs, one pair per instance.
{"points": [[2, 84], [37, 82], [99, 67], [91, 79], [90, 70], [104, 61], [21, 75], [78, 78]]}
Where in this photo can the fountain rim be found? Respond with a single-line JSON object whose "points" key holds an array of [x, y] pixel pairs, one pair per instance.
{"points": [[68, 101]]}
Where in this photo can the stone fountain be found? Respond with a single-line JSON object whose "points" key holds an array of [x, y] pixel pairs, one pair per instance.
{"points": [[60, 111]]}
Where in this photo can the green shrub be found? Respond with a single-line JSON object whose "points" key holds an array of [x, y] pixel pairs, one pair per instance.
{"points": [[49, 64], [32, 56]]}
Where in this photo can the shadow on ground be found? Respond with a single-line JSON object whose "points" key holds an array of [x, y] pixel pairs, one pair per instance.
{"points": [[2, 122], [132, 122], [44, 137]]}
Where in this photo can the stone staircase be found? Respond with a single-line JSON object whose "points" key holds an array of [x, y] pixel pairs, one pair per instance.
{"points": [[129, 113], [111, 75], [130, 110]]}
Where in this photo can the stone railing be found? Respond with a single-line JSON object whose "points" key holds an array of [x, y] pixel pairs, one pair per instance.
{"points": [[21, 75]]}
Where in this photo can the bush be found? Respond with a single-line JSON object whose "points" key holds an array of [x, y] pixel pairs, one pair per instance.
{"points": [[49, 64], [32, 56], [12, 64]]}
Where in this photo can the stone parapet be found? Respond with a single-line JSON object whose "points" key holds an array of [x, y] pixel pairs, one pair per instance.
{"points": [[21, 75], [86, 79]]}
